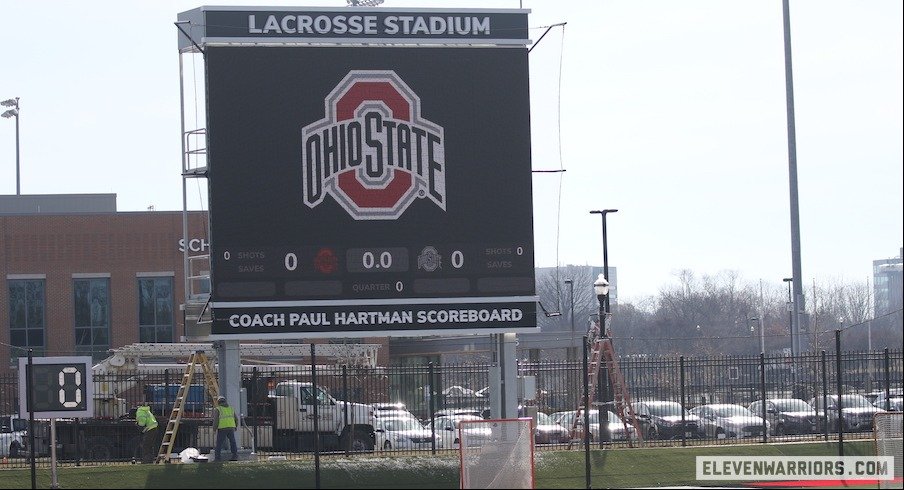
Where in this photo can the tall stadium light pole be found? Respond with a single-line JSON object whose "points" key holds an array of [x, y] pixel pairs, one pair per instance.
{"points": [[792, 181], [571, 348], [791, 309], [14, 112], [603, 214]]}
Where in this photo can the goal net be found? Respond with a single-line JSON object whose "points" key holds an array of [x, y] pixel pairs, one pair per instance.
{"points": [[887, 428], [497, 453]]}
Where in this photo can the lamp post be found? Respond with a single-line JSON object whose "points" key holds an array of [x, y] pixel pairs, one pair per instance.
{"points": [[14, 112], [762, 334], [571, 348], [789, 280], [603, 214], [799, 304], [601, 289]]}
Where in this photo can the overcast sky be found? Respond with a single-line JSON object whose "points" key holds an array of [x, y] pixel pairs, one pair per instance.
{"points": [[673, 112]]}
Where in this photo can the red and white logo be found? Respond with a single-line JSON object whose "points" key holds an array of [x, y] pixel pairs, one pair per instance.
{"points": [[373, 152]]}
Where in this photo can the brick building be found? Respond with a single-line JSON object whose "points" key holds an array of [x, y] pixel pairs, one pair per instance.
{"points": [[82, 278]]}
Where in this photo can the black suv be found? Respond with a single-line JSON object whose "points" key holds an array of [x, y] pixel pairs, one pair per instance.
{"points": [[787, 415], [662, 420], [856, 412]]}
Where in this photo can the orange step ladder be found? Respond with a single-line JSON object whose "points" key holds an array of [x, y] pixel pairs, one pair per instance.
{"points": [[198, 359], [602, 351]]}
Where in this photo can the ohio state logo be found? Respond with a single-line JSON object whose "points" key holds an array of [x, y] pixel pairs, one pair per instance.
{"points": [[373, 153]]}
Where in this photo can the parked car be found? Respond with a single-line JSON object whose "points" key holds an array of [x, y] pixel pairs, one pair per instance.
{"points": [[548, 431], [856, 412], [619, 429], [875, 396], [388, 406], [566, 420], [456, 412], [894, 396], [662, 420], [402, 433], [721, 420], [447, 429], [895, 403], [392, 410], [13, 434], [787, 415]]}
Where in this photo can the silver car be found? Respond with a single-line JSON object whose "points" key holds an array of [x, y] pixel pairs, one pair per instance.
{"points": [[447, 430], [402, 433], [722, 421]]}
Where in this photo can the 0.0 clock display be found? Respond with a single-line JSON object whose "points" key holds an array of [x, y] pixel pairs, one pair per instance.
{"points": [[389, 259]]}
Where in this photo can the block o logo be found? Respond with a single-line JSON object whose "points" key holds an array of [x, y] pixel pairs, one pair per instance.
{"points": [[373, 153]]}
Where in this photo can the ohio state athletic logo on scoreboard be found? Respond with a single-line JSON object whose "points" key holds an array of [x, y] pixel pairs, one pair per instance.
{"points": [[373, 152]]}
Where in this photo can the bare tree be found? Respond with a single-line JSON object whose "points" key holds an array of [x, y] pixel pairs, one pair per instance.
{"points": [[555, 297]]}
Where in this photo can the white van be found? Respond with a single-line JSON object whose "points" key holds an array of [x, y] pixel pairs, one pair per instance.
{"points": [[13, 432]]}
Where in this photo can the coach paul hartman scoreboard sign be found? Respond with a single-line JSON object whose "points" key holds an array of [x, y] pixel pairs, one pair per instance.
{"points": [[369, 171]]}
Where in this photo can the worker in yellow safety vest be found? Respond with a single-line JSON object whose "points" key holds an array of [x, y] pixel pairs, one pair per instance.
{"points": [[226, 422], [147, 423]]}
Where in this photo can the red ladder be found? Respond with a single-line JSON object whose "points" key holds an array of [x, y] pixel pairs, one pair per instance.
{"points": [[602, 350], [623, 406]]}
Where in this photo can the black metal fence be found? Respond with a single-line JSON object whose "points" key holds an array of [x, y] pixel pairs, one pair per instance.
{"points": [[815, 378]]}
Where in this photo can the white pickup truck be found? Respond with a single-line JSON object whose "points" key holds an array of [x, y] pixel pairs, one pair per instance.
{"points": [[343, 426]]}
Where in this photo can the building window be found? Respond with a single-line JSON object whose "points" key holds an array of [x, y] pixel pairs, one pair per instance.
{"points": [[26, 316], [92, 317], [155, 309]]}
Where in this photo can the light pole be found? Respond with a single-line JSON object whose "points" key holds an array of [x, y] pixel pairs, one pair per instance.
{"points": [[571, 349], [789, 280], [601, 289], [14, 112], [762, 333], [603, 213], [799, 305]]}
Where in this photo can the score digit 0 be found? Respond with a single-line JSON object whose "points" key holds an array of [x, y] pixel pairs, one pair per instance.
{"points": [[291, 261], [78, 384], [457, 259]]}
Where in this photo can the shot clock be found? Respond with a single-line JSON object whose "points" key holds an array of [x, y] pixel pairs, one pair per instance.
{"points": [[62, 387]]}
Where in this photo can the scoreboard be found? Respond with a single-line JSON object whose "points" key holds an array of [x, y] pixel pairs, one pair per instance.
{"points": [[370, 189], [62, 387]]}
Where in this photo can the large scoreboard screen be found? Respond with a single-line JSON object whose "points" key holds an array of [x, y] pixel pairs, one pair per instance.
{"points": [[369, 190]]}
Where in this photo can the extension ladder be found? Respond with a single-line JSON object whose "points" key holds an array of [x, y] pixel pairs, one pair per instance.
{"points": [[197, 359], [602, 351]]}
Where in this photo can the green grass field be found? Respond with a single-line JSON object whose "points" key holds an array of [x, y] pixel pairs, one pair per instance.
{"points": [[621, 468]]}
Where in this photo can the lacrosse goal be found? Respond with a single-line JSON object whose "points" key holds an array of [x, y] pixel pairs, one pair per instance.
{"points": [[887, 431], [497, 453]]}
